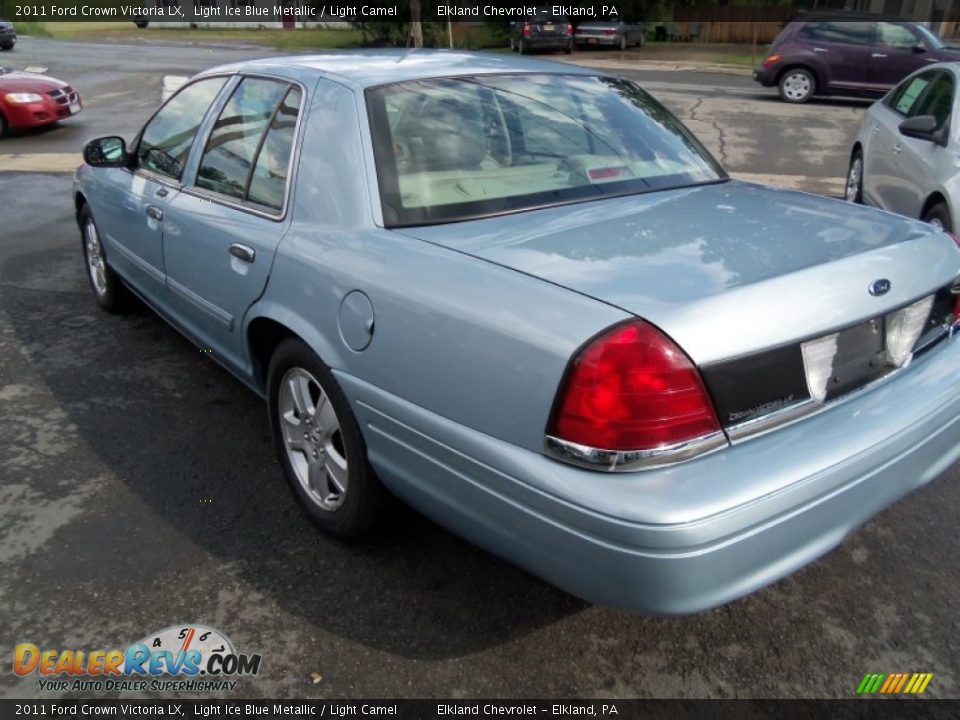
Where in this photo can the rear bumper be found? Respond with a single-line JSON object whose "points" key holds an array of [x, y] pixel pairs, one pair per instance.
{"points": [[765, 76], [689, 537], [38, 114], [560, 41], [597, 39]]}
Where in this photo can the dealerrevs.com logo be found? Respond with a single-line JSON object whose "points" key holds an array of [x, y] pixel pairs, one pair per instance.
{"points": [[186, 658]]}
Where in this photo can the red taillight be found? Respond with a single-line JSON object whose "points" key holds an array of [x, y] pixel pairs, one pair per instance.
{"points": [[771, 59], [569, 29], [526, 29], [609, 32], [632, 388]]}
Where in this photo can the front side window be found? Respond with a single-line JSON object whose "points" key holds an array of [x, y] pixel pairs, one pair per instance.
{"points": [[452, 149], [235, 140], [905, 97], [899, 37], [165, 141]]}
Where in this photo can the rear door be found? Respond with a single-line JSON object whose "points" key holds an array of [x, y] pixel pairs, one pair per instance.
{"points": [[223, 228], [895, 55], [841, 50]]}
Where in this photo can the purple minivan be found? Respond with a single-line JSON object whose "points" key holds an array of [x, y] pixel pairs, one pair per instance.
{"points": [[847, 54]]}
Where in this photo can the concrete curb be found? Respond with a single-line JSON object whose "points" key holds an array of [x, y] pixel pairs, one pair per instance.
{"points": [[658, 65]]}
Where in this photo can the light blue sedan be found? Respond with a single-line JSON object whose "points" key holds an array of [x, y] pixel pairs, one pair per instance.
{"points": [[524, 299]]}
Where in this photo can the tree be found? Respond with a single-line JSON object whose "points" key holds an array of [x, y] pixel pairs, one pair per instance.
{"points": [[415, 36]]}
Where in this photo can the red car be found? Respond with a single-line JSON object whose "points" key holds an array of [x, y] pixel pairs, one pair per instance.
{"points": [[31, 100]]}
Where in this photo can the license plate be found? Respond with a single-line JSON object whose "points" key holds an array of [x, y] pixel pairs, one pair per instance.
{"points": [[74, 108], [592, 41], [548, 27]]}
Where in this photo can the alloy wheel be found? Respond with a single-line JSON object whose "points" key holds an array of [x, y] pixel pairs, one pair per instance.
{"points": [[312, 439], [96, 265]]}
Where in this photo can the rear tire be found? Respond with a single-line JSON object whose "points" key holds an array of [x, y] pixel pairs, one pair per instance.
{"points": [[6, 47], [939, 215], [797, 85], [108, 289], [320, 444], [854, 188]]}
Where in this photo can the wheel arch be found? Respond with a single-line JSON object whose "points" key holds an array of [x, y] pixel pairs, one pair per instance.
{"points": [[79, 202], [268, 327], [936, 198]]}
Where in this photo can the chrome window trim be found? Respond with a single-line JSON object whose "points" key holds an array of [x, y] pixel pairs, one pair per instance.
{"points": [[253, 208], [626, 460]]}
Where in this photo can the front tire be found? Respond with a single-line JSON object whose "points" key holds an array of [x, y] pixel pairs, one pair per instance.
{"points": [[939, 216], [797, 85], [108, 289], [854, 188], [320, 445]]}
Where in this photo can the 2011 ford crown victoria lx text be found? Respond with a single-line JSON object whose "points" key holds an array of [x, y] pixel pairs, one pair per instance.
{"points": [[523, 298]]}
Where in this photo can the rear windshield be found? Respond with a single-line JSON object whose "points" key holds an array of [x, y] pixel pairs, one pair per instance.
{"points": [[459, 148]]}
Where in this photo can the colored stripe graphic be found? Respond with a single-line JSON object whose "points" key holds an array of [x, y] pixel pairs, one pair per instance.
{"points": [[894, 683]]}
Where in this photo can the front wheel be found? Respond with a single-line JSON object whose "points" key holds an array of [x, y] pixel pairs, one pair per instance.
{"points": [[108, 289], [797, 85], [320, 445], [939, 216], [854, 189]]}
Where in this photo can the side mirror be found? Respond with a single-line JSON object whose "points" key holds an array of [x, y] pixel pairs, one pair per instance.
{"points": [[106, 152], [921, 127], [919, 48]]}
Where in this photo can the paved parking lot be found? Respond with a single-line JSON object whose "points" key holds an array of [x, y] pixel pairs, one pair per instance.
{"points": [[138, 487]]}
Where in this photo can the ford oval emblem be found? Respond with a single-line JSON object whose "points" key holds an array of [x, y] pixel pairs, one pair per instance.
{"points": [[879, 287]]}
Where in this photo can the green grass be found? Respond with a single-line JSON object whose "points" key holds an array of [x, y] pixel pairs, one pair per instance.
{"points": [[36, 29], [301, 39], [741, 60]]}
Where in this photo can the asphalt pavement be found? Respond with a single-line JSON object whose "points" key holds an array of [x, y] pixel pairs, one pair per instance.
{"points": [[139, 488]]}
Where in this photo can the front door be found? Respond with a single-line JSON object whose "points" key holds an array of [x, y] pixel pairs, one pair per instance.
{"points": [[895, 56], [131, 213], [842, 51]]}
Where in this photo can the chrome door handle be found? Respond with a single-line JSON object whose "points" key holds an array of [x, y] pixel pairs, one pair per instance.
{"points": [[816, 49], [878, 55], [162, 193], [876, 129], [154, 212], [242, 252]]}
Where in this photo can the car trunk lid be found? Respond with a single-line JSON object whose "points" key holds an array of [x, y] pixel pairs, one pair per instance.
{"points": [[739, 275]]}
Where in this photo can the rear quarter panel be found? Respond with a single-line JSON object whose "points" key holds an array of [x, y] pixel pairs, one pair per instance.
{"points": [[464, 338]]}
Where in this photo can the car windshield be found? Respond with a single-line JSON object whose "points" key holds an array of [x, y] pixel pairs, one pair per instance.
{"points": [[930, 37], [459, 148]]}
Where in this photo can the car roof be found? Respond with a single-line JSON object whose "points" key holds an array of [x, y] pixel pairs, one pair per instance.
{"points": [[368, 68], [827, 15]]}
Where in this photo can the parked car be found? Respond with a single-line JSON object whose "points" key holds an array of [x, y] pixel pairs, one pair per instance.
{"points": [[522, 297], [31, 100], [545, 30], [616, 33], [8, 35], [904, 157], [847, 54]]}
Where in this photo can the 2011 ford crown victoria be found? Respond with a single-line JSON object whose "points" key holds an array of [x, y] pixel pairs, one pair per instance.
{"points": [[523, 298]]}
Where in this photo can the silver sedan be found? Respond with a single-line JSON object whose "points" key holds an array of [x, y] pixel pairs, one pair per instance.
{"points": [[905, 157]]}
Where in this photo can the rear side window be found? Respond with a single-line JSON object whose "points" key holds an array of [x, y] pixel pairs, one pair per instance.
{"points": [[905, 97], [851, 33], [248, 151], [167, 138]]}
